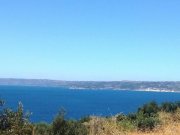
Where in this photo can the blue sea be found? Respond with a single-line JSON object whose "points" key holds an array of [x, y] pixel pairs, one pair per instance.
{"points": [[45, 102]]}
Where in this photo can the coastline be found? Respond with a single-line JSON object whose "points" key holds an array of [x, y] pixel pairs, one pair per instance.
{"points": [[100, 89], [143, 90]]}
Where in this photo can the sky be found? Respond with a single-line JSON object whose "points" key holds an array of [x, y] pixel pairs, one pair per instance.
{"points": [[90, 40]]}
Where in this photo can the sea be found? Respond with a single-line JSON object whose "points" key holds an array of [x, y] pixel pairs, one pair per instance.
{"points": [[44, 103]]}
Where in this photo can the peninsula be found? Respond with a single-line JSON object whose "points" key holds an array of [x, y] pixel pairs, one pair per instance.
{"points": [[159, 86]]}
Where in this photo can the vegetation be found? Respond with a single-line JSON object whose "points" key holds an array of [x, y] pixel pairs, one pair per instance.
{"points": [[17, 123], [60, 126], [147, 116], [14, 122], [150, 118]]}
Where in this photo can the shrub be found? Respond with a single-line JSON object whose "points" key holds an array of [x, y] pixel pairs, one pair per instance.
{"points": [[149, 109], [127, 125], [132, 117], [15, 122], [120, 117], [42, 129], [125, 122], [169, 107], [85, 119], [147, 123], [60, 126], [76, 128], [146, 117]]}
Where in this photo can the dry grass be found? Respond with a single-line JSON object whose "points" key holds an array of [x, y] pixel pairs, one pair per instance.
{"points": [[103, 126], [170, 125], [170, 129]]}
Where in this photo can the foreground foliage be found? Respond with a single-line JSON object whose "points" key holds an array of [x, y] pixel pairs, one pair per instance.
{"points": [[14, 122], [151, 117], [17, 123]]}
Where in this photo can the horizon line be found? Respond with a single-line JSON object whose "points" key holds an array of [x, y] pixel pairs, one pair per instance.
{"points": [[85, 80]]}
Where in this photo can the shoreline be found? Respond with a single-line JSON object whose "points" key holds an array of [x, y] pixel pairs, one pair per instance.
{"points": [[100, 89], [142, 90]]}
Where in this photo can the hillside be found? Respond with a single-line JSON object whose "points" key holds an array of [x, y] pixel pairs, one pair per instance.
{"points": [[149, 119], [171, 86]]}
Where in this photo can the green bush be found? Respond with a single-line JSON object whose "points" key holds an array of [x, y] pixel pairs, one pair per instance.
{"points": [[147, 123], [120, 117], [60, 126], [149, 109], [127, 125], [132, 117], [42, 129], [76, 128], [145, 118], [127, 122], [85, 119], [169, 107], [14, 122]]}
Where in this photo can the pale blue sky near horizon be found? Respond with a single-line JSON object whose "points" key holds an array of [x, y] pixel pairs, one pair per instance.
{"points": [[99, 40]]}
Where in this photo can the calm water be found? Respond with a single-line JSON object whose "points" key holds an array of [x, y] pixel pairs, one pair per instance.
{"points": [[45, 102]]}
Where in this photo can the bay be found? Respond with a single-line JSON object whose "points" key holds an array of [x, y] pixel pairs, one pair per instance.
{"points": [[45, 102]]}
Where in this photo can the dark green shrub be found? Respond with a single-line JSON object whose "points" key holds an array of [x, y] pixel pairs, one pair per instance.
{"points": [[147, 123], [127, 125], [132, 116], [120, 117], [60, 126], [42, 129], [76, 128], [15, 122], [149, 109], [125, 122], [169, 107], [85, 119]]}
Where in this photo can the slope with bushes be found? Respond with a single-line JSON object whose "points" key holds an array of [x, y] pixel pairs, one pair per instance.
{"points": [[150, 119]]}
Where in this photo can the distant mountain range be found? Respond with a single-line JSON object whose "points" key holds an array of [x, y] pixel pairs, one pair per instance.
{"points": [[166, 86]]}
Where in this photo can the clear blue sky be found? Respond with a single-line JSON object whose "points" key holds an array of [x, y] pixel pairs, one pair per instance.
{"points": [[90, 39]]}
